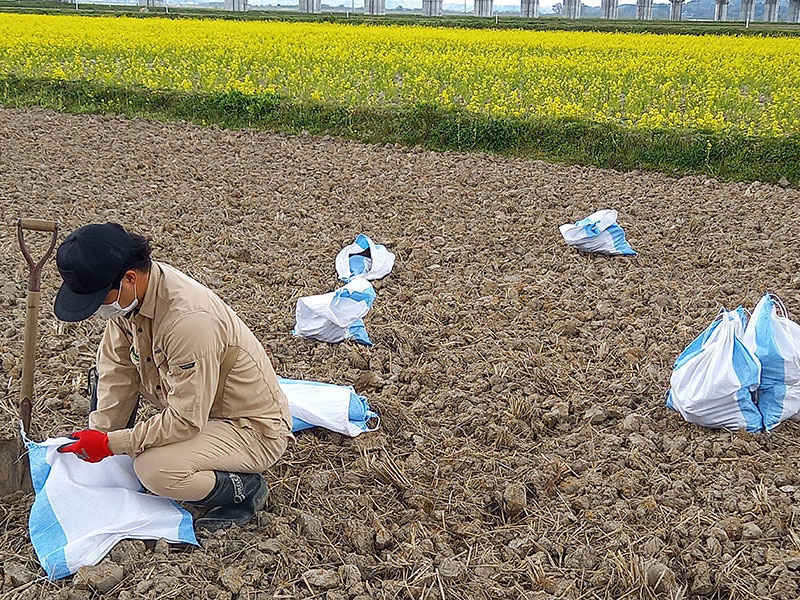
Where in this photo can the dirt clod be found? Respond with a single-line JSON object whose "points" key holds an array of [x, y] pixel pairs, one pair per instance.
{"points": [[231, 578], [271, 546], [128, 551], [653, 546], [102, 578], [383, 538], [732, 526], [751, 531], [451, 570], [79, 404], [358, 360], [515, 499], [660, 577], [632, 422], [368, 381], [350, 576], [362, 538], [311, 526], [322, 578], [595, 415], [702, 582], [16, 574]]}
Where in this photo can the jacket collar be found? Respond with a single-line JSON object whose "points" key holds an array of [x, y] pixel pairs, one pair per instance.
{"points": [[148, 308]]}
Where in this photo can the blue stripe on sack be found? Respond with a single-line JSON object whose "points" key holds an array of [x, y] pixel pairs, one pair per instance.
{"points": [[772, 389], [358, 407], [692, 350], [620, 244], [57, 563], [742, 314], [47, 536], [186, 526], [359, 411], [362, 241], [752, 417], [368, 296], [40, 468], [747, 372], [696, 347], [186, 529], [300, 425], [358, 264], [358, 333], [589, 227]]}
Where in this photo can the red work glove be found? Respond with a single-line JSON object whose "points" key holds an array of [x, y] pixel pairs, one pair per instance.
{"points": [[90, 445]]}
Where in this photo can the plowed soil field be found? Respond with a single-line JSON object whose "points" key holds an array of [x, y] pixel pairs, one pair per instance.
{"points": [[525, 449]]}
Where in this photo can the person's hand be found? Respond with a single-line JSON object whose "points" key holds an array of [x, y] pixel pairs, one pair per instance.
{"points": [[90, 445]]}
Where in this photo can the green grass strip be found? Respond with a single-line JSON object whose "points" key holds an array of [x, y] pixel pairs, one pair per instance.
{"points": [[729, 157]]}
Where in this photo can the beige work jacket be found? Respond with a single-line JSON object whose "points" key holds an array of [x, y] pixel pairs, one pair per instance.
{"points": [[174, 351]]}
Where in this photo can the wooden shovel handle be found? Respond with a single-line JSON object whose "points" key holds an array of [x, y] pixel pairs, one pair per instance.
{"points": [[38, 224], [35, 277]]}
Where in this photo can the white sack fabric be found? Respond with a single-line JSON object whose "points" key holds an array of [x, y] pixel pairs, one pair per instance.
{"points": [[599, 233], [775, 341], [82, 509], [335, 407], [364, 258], [336, 316], [713, 378]]}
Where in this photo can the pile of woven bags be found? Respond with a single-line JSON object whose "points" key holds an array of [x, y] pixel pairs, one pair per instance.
{"points": [[741, 373]]}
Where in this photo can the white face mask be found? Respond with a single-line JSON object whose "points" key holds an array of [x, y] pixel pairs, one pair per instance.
{"points": [[114, 310]]}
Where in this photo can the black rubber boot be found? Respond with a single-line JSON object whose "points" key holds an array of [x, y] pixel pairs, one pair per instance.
{"points": [[235, 500]]}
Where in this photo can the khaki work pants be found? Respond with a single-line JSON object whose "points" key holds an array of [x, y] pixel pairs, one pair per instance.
{"points": [[185, 470]]}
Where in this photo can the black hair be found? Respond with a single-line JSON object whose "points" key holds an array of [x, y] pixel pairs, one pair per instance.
{"points": [[139, 259]]}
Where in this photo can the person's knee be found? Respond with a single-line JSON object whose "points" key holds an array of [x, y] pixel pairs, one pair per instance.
{"points": [[159, 474]]}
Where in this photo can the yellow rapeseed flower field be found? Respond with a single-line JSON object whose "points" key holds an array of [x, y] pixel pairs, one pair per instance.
{"points": [[699, 83]]}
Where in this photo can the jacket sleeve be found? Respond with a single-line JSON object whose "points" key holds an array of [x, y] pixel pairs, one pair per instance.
{"points": [[118, 381], [194, 347]]}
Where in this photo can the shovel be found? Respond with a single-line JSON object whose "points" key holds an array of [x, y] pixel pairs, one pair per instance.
{"points": [[32, 311]]}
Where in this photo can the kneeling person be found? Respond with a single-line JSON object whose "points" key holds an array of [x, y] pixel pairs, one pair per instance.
{"points": [[223, 418]]}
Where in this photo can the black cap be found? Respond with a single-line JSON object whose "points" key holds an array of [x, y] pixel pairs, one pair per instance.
{"points": [[90, 261]]}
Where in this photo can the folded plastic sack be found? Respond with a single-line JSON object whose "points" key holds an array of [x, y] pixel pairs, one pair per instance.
{"points": [[714, 377], [335, 407], [364, 258], [336, 316], [775, 341], [599, 232], [81, 510]]}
